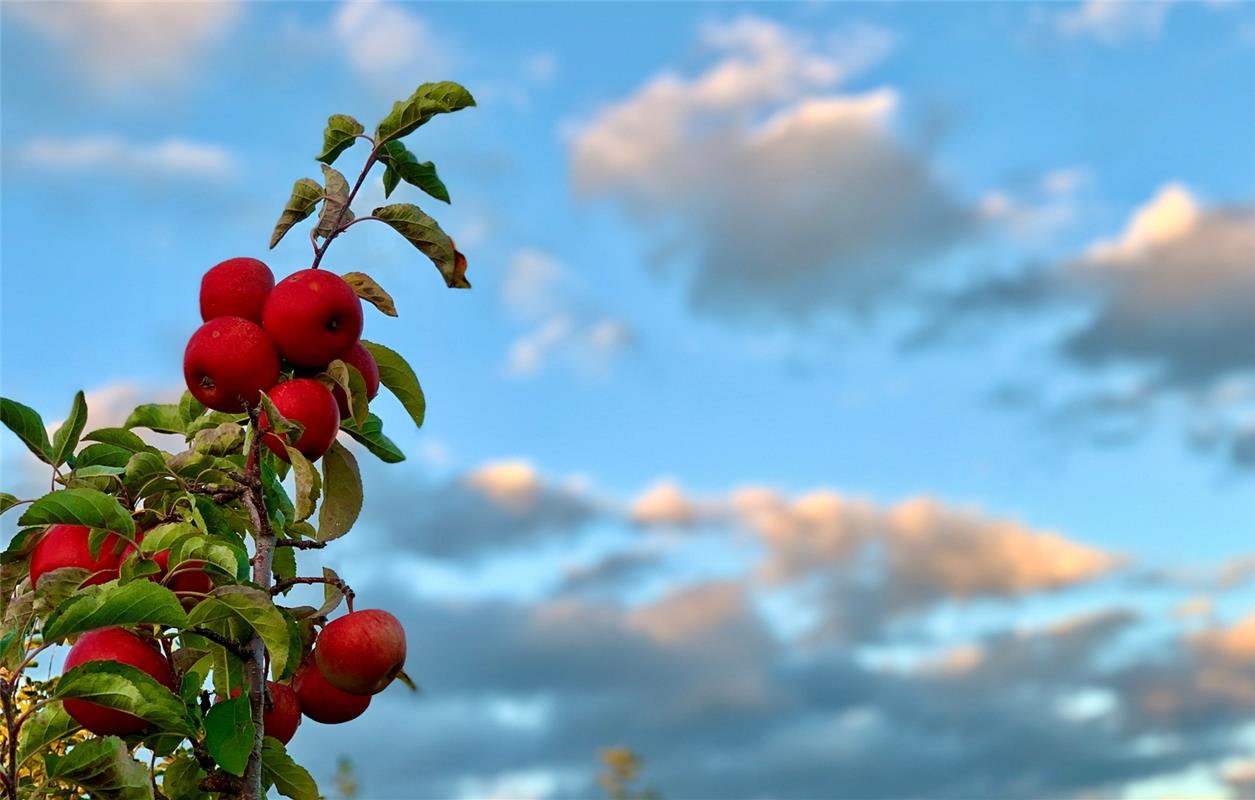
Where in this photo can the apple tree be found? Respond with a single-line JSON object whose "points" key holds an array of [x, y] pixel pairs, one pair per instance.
{"points": [[166, 573]]}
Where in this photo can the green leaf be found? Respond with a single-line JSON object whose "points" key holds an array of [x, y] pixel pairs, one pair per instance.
{"points": [[351, 382], [159, 417], [425, 234], [305, 196], [341, 132], [370, 291], [7, 501], [118, 437], [427, 101], [98, 470], [80, 507], [396, 373], [296, 646], [51, 724], [29, 427], [332, 596], [181, 780], [221, 440], [343, 501], [308, 485], [125, 688], [370, 434], [284, 562], [104, 769], [189, 407], [276, 423], [391, 179], [335, 204], [278, 505], [291, 779], [66, 438], [405, 166], [109, 604], [255, 608], [229, 733]]}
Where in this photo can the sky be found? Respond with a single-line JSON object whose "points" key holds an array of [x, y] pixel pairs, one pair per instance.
{"points": [[854, 400]]}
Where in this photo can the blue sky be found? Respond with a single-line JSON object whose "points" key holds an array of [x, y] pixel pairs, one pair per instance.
{"points": [[960, 290]]}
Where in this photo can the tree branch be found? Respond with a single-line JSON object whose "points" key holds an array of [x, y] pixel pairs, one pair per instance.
{"points": [[300, 544], [263, 564], [288, 583], [337, 230]]}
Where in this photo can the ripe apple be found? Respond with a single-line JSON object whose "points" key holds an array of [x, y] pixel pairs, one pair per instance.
{"points": [[229, 360], [238, 287], [308, 402], [359, 357], [114, 644], [314, 317], [66, 546], [189, 580], [283, 716], [322, 702], [362, 651]]}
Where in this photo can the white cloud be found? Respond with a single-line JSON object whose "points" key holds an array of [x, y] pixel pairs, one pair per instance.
{"points": [[1167, 217], [1115, 21], [790, 199], [116, 43], [541, 67], [174, 157], [531, 283], [387, 42]]}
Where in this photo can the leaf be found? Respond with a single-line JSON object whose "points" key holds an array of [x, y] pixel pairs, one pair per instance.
{"points": [[104, 769], [339, 135], [396, 373], [425, 234], [343, 500], [255, 608], [305, 196], [166, 536], [159, 417], [66, 438], [351, 382], [335, 210], [291, 779], [98, 470], [181, 780], [29, 427], [427, 101], [7, 501], [125, 688], [283, 564], [50, 724], [278, 424], [308, 484], [109, 604], [80, 507], [370, 291], [408, 681], [332, 596], [189, 407], [230, 732], [118, 437], [406, 166], [220, 440], [391, 179], [370, 434]]}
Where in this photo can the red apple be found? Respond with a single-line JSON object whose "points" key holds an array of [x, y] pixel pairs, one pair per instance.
{"points": [[238, 287], [114, 644], [314, 317], [229, 360], [283, 716], [361, 652], [308, 402], [66, 546], [322, 702], [359, 357]]}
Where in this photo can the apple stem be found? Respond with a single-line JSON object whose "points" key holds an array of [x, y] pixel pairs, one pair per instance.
{"points": [[340, 227], [263, 565]]}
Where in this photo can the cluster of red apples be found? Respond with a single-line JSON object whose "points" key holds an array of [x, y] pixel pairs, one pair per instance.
{"points": [[256, 330]]}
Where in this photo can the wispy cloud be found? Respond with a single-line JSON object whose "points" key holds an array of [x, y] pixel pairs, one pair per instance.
{"points": [[107, 153]]}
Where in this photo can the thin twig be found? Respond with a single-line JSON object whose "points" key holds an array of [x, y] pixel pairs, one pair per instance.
{"points": [[288, 583], [300, 544], [337, 230], [234, 647]]}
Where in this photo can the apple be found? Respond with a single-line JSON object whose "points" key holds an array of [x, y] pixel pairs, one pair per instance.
{"points": [[67, 546], [361, 652], [189, 580], [308, 402], [359, 357], [124, 647], [283, 715], [238, 287], [228, 361], [322, 702], [314, 317]]}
